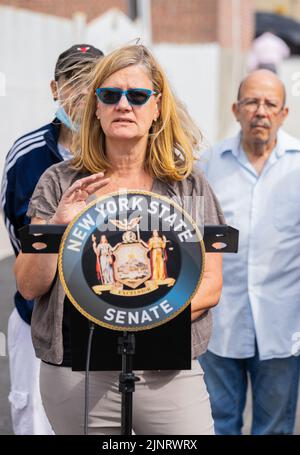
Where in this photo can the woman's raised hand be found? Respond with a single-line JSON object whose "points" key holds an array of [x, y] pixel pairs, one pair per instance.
{"points": [[74, 199]]}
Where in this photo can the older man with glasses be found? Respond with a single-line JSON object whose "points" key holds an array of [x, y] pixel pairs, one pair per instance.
{"points": [[256, 177]]}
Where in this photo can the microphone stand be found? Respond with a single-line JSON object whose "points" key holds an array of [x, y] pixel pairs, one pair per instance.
{"points": [[127, 379]]}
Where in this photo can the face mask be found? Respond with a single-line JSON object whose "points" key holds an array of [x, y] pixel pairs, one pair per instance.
{"points": [[65, 119]]}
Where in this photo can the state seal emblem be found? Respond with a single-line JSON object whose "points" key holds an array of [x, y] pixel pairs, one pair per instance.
{"points": [[131, 261]]}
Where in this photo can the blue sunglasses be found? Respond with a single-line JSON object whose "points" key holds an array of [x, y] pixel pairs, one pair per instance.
{"points": [[135, 96]]}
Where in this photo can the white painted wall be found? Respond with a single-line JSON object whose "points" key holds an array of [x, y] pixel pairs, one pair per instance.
{"points": [[112, 30], [193, 71], [30, 44], [289, 72]]}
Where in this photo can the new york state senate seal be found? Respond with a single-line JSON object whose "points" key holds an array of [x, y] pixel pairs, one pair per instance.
{"points": [[131, 260]]}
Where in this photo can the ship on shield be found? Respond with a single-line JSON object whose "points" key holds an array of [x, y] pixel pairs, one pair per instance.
{"points": [[136, 267]]}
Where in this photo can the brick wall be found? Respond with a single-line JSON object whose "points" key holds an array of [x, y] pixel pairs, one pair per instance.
{"points": [[247, 23], [235, 27], [66, 8], [184, 21], [173, 21], [203, 21]]}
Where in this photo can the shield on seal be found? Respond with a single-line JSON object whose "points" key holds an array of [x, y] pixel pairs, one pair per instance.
{"points": [[132, 265]]}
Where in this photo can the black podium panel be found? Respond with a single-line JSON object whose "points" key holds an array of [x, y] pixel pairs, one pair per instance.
{"points": [[167, 347]]}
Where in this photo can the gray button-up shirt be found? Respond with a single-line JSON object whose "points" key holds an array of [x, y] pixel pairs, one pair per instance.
{"points": [[261, 287]]}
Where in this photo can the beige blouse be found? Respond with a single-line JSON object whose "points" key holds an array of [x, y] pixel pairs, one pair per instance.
{"points": [[46, 323]]}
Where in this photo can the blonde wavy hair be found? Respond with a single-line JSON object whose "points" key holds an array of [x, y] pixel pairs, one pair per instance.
{"points": [[173, 138]]}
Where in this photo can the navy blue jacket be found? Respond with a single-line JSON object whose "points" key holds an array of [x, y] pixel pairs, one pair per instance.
{"points": [[26, 161]]}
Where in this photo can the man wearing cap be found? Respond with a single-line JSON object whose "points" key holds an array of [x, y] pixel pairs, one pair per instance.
{"points": [[26, 161]]}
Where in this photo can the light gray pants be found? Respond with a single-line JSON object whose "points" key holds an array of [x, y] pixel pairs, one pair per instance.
{"points": [[164, 402]]}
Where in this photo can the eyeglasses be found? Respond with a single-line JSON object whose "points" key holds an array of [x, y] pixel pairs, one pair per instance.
{"points": [[253, 104], [135, 96]]}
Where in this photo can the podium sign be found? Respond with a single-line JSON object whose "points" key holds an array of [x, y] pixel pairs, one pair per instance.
{"points": [[131, 261]]}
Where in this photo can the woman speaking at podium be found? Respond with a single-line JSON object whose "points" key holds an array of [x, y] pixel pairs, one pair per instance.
{"points": [[134, 134]]}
